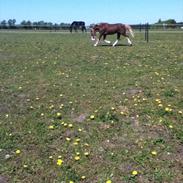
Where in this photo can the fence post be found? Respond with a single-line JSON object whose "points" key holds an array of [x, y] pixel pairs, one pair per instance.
{"points": [[147, 32]]}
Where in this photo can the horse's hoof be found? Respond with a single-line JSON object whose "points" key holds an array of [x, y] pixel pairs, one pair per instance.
{"points": [[131, 45]]}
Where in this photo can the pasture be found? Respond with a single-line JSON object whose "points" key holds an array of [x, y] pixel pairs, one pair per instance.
{"points": [[71, 112]]}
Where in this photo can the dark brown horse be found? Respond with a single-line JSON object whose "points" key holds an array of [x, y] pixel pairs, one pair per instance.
{"points": [[105, 29]]}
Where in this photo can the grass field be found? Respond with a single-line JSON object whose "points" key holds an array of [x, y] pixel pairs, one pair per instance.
{"points": [[71, 112]]}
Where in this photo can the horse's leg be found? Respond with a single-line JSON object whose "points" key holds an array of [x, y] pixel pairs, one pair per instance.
{"points": [[118, 38], [104, 38], [128, 39], [98, 40]]}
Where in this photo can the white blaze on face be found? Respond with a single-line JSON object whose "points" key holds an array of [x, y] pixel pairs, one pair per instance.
{"points": [[92, 35]]}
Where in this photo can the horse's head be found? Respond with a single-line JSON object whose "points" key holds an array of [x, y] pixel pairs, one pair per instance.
{"points": [[93, 32]]}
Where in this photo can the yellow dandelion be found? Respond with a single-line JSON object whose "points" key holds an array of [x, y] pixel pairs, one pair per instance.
{"points": [[61, 106], [170, 126], [71, 181], [77, 140], [86, 144], [134, 172], [167, 109], [108, 181], [112, 108], [65, 124], [68, 139], [70, 125], [77, 158], [17, 151], [86, 153], [51, 106], [92, 117], [154, 153], [83, 177], [59, 115], [75, 143], [59, 162], [80, 130], [51, 127]]}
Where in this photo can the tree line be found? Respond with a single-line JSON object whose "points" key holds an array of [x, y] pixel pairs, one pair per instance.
{"points": [[39, 25], [11, 24]]}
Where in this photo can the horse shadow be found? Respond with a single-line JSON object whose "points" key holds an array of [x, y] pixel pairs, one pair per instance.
{"points": [[118, 45]]}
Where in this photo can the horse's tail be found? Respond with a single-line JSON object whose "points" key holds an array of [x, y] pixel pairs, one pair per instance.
{"points": [[129, 28]]}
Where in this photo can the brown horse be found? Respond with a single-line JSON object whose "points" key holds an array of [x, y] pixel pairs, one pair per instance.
{"points": [[105, 29]]}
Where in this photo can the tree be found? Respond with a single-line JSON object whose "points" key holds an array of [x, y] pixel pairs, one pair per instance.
{"points": [[3, 24], [159, 21], [11, 23]]}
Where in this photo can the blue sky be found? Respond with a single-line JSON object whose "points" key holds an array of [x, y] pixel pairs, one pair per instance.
{"points": [[92, 11]]}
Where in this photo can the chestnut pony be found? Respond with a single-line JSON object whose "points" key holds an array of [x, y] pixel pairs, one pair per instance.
{"points": [[105, 29]]}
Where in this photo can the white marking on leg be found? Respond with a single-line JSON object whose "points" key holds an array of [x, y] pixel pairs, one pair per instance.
{"points": [[114, 44], [129, 42], [92, 38], [96, 42], [107, 41]]}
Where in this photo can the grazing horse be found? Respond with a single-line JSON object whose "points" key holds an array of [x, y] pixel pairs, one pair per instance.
{"points": [[78, 25], [105, 29]]}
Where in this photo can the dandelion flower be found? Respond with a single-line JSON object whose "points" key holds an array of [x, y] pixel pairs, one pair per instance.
{"points": [[70, 125], [92, 117], [17, 151], [86, 153], [51, 127], [112, 108], [154, 153], [51, 106], [80, 130], [68, 139], [77, 158], [77, 140], [108, 181], [75, 143], [170, 126], [59, 115], [167, 109], [59, 162], [83, 177], [134, 172]]}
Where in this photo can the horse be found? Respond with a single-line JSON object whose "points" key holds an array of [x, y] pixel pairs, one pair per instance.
{"points": [[78, 25], [105, 29]]}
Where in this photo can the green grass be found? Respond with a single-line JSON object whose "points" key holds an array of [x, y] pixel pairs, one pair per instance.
{"points": [[134, 93]]}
